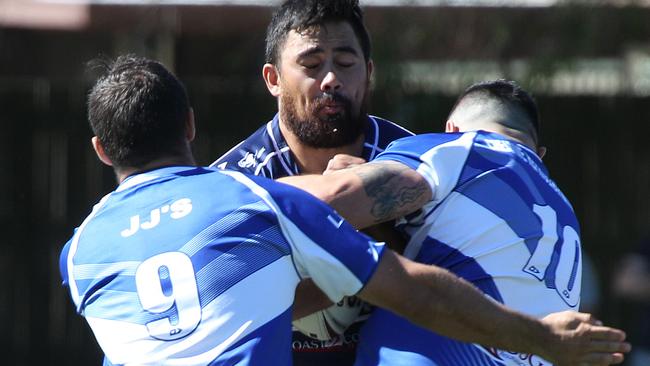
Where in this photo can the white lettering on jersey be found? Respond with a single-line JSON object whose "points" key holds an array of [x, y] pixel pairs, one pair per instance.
{"points": [[336, 224], [177, 210], [499, 145]]}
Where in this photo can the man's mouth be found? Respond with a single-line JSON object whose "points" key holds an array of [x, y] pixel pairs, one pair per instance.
{"points": [[333, 108]]}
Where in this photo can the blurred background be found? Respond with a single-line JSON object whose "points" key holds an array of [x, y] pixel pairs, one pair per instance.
{"points": [[587, 63]]}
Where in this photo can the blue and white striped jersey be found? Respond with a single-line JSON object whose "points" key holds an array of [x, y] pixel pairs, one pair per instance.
{"points": [[267, 154], [166, 272], [495, 219]]}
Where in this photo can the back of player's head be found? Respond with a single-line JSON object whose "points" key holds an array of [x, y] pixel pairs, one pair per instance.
{"points": [[138, 110], [300, 15], [498, 101]]}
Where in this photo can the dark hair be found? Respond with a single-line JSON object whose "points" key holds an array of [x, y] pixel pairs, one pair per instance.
{"points": [[137, 110], [300, 15], [510, 93]]}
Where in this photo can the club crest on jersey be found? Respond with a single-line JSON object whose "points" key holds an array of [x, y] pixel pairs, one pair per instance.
{"points": [[250, 160], [177, 210]]}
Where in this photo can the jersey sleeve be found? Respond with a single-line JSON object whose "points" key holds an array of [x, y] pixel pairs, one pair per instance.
{"points": [[324, 246], [439, 158], [63, 263]]}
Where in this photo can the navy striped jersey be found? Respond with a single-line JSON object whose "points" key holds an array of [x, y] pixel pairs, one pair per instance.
{"points": [[168, 273], [267, 154], [495, 219]]}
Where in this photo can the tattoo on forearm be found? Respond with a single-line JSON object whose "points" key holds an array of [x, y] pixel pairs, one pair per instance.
{"points": [[393, 195]]}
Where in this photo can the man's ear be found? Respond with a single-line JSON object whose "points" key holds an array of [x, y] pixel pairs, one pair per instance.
{"points": [[271, 76], [99, 150], [190, 127], [370, 68], [541, 151], [451, 127]]}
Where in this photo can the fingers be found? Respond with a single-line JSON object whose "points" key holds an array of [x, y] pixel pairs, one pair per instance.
{"points": [[602, 333], [609, 346], [570, 319], [342, 161], [598, 359]]}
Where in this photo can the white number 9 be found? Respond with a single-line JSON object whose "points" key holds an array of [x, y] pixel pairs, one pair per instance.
{"points": [[177, 269]]}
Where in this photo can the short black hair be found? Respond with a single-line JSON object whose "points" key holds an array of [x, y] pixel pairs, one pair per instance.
{"points": [[138, 110], [510, 93], [300, 15]]}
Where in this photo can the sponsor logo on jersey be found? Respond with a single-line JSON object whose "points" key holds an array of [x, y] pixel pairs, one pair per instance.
{"points": [[499, 145], [177, 210], [338, 343], [517, 359]]}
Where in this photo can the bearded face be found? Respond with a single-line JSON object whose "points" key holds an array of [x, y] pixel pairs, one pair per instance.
{"points": [[328, 121]]}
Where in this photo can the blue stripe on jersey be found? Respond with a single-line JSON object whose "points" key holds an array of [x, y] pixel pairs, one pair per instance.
{"points": [[515, 187], [505, 202], [442, 255], [413, 345], [220, 237], [328, 237], [63, 262], [263, 347], [212, 280], [239, 223]]}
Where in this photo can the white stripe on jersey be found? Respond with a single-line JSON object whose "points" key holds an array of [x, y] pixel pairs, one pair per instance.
{"points": [[74, 291], [268, 157], [375, 147], [269, 130], [451, 163], [221, 327], [498, 242], [310, 259]]}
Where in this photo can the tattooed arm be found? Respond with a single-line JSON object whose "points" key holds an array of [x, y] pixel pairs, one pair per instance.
{"points": [[370, 193]]}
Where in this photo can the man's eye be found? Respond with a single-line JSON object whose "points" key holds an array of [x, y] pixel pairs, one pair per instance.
{"points": [[310, 66]]}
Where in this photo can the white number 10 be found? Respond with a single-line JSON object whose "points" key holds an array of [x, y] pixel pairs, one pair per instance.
{"points": [[565, 276], [184, 295]]}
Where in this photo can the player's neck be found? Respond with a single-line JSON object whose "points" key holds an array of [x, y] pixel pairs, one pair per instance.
{"points": [[313, 160], [125, 172]]}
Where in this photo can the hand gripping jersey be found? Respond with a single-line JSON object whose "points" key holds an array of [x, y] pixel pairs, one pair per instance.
{"points": [[166, 272], [495, 219], [267, 154]]}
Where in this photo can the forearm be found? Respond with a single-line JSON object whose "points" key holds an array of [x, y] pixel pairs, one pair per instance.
{"points": [[451, 306], [309, 299], [465, 313], [368, 194]]}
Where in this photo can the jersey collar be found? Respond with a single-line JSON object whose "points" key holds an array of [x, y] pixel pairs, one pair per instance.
{"points": [[370, 143]]}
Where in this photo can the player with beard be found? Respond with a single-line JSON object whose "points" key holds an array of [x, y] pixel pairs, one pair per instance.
{"points": [[318, 67]]}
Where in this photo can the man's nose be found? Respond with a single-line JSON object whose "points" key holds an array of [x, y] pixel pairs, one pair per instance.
{"points": [[330, 82]]}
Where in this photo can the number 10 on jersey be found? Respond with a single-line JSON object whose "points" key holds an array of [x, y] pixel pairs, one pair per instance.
{"points": [[560, 269]]}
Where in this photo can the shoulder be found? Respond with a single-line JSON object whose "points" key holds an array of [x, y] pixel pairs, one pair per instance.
{"points": [[421, 144], [388, 131], [246, 155], [282, 196], [264, 153]]}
